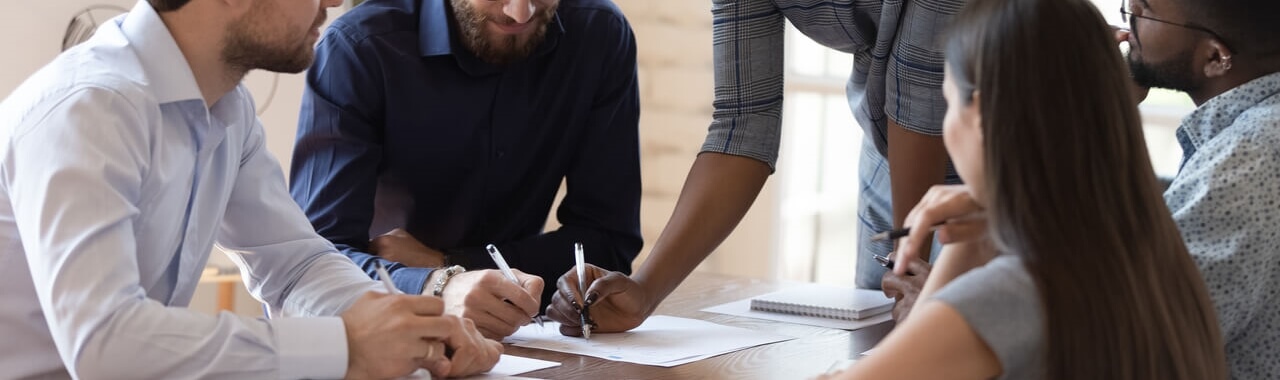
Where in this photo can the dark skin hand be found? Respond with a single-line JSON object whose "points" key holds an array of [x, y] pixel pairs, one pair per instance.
{"points": [[904, 289], [400, 247]]}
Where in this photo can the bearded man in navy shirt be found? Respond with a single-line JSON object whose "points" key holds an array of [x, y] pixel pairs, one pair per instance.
{"points": [[432, 128]]}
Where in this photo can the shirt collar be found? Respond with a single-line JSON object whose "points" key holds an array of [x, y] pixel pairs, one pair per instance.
{"points": [[168, 75], [435, 38], [1220, 112]]}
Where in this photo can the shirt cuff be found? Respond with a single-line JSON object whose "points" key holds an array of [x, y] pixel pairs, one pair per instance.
{"points": [[410, 280], [311, 348]]}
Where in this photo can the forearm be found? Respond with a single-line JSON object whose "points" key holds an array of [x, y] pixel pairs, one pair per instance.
{"points": [[408, 279], [718, 192], [956, 259], [916, 163]]}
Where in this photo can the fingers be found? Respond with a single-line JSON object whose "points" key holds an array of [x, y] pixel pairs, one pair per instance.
{"points": [[941, 204], [472, 352], [918, 270], [496, 304], [1121, 34], [565, 310], [891, 284], [608, 285], [421, 305], [532, 287], [964, 229]]}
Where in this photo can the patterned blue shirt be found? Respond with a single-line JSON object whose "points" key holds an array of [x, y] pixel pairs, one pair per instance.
{"points": [[1225, 202], [897, 71]]}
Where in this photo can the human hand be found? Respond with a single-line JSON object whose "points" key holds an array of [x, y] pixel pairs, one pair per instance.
{"points": [[498, 306], [1139, 92], [401, 247], [469, 352], [389, 336], [904, 289], [617, 303], [952, 204]]}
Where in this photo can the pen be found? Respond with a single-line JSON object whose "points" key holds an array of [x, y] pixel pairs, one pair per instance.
{"points": [[884, 261], [386, 278], [506, 272], [580, 264], [888, 263], [899, 233]]}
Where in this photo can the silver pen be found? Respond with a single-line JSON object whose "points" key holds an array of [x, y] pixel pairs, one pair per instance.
{"points": [[506, 272], [581, 265]]}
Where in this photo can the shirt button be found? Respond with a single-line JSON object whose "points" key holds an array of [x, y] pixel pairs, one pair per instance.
{"points": [[500, 153]]}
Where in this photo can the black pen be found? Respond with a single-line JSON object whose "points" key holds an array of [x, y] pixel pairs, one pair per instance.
{"points": [[899, 233]]}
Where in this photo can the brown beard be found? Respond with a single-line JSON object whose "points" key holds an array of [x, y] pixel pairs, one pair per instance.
{"points": [[498, 50], [249, 43]]}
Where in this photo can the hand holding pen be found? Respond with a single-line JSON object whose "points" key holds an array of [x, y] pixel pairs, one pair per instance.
{"points": [[951, 211], [506, 272], [613, 301]]}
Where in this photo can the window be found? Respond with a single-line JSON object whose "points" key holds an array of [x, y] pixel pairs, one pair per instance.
{"points": [[818, 167]]}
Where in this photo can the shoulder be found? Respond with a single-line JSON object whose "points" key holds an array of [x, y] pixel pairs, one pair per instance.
{"points": [[376, 18], [593, 16], [1000, 290], [1001, 303], [76, 85]]}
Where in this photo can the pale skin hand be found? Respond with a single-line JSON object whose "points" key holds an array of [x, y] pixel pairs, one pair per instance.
{"points": [[401, 247], [498, 306], [471, 354], [936, 333], [389, 336], [717, 193], [953, 204]]}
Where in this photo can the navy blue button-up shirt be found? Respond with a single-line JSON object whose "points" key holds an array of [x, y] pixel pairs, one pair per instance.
{"points": [[401, 126]]}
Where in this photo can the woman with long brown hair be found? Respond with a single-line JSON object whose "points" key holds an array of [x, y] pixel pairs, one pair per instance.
{"points": [[1061, 259]]}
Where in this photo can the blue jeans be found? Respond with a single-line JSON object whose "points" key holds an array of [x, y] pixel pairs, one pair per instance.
{"points": [[875, 215]]}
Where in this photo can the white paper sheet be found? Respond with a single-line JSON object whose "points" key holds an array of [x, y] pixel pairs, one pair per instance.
{"points": [[508, 366], [663, 341], [742, 308]]}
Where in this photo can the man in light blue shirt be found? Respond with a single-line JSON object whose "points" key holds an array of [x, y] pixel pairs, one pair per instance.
{"points": [[1226, 196], [125, 159]]}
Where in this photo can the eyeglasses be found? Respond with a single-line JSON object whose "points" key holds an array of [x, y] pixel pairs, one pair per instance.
{"points": [[1127, 17]]}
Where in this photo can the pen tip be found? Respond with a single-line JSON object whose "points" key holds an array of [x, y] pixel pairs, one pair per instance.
{"points": [[880, 236]]}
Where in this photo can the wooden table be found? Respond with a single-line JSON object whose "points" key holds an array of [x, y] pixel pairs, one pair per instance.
{"points": [[813, 351]]}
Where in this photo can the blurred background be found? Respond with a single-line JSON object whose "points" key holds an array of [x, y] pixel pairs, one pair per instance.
{"points": [[801, 228]]}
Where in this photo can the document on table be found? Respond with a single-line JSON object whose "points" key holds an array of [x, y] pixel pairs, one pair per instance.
{"points": [[742, 308], [508, 366], [663, 341]]}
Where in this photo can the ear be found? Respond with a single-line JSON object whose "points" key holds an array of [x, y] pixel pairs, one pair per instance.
{"points": [[974, 109], [1219, 59]]}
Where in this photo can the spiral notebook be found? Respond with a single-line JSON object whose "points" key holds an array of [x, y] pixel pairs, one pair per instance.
{"points": [[825, 301]]}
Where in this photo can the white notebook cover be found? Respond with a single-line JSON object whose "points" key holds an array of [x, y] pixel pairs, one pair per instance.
{"points": [[825, 301]]}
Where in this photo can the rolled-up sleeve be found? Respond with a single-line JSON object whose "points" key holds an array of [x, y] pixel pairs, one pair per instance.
{"points": [[748, 39]]}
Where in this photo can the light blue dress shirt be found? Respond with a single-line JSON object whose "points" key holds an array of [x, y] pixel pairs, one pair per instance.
{"points": [[1226, 200], [116, 182]]}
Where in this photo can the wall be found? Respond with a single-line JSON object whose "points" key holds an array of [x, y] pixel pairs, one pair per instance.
{"points": [[674, 43], [676, 79]]}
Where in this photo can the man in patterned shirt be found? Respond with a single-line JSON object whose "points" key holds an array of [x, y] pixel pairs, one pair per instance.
{"points": [[894, 92], [1226, 56]]}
